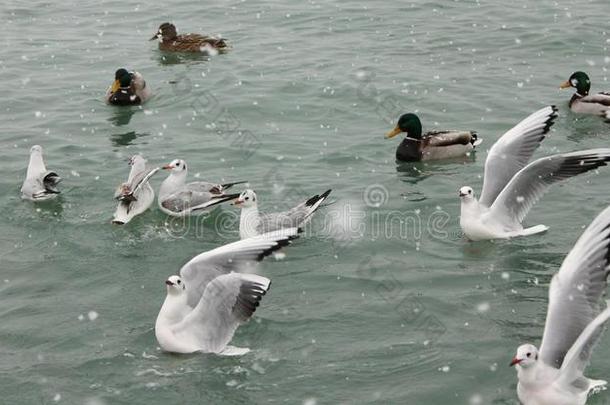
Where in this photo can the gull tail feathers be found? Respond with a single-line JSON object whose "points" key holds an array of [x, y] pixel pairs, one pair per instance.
{"points": [[230, 351], [531, 231], [596, 386]]}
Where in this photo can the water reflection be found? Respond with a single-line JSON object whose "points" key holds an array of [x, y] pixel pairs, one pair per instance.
{"points": [[175, 58], [122, 115], [125, 138]]}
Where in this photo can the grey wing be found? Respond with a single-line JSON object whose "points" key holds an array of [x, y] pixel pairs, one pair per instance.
{"points": [[32, 188], [576, 291], [228, 301], [177, 202], [599, 98], [142, 178], [130, 190], [447, 138], [577, 358], [204, 187], [233, 257], [527, 186], [513, 151], [42, 186], [295, 217]]}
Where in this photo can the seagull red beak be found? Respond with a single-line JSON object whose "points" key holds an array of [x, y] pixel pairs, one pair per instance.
{"points": [[238, 202], [168, 282], [167, 167], [515, 361]]}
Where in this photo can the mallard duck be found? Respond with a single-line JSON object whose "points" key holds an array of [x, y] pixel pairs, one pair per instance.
{"points": [[169, 40], [128, 88], [584, 103], [431, 145]]}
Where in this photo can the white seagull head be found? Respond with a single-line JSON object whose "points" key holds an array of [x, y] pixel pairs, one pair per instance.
{"points": [[526, 356], [176, 166], [175, 285], [136, 160], [36, 149], [466, 193], [246, 199]]}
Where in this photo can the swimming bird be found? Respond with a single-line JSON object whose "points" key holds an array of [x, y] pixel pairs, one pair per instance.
{"points": [[169, 40], [128, 88], [511, 186], [252, 223], [502, 219], [40, 184], [135, 195], [432, 145], [178, 198], [212, 296], [583, 102], [576, 315]]}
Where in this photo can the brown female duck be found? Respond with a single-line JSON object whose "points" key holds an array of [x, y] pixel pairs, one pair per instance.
{"points": [[169, 40], [431, 145]]}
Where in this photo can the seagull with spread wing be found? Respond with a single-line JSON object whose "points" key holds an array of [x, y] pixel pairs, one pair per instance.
{"points": [[215, 293], [575, 319], [511, 186], [136, 195]]}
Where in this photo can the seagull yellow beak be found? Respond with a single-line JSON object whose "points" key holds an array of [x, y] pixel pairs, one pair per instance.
{"points": [[565, 85], [115, 86], [393, 133]]}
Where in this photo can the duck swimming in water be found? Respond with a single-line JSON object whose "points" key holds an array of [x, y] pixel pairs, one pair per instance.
{"points": [[432, 145], [128, 88], [169, 40], [584, 103]]}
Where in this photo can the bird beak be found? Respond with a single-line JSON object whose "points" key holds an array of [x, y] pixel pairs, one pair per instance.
{"points": [[168, 282], [238, 202], [393, 133], [115, 86], [565, 85], [462, 194], [515, 361], [167, 167], [156, 36]]}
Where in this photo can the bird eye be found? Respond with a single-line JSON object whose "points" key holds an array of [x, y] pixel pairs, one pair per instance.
{"points": [[528, 355], [247, 198], [469, 191], [180, 282]]}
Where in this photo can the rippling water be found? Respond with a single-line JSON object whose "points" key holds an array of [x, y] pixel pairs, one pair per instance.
{"points": [[403, 313]]}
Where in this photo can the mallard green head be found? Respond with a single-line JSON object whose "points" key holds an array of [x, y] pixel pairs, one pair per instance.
{"points": [[122, 78], [580, 81], [408, 123], [167, 31]]}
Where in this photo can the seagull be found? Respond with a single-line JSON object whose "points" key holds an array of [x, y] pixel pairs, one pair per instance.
{"points": [[511, 186], [207, 302], [40, 184], [252, 223], [575, 319], [136, 195], [178, 198]]}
